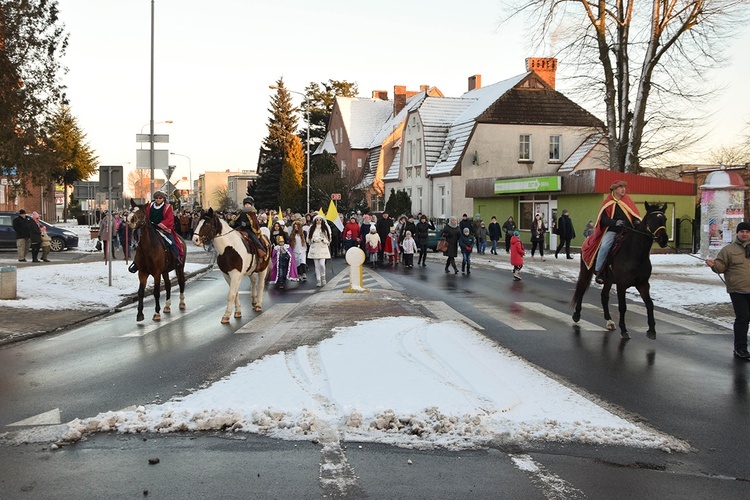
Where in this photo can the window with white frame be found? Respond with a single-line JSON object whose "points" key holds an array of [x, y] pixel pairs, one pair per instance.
{"points": [[409, 153], [343, 168], [359, 162], [554, 147], [524, 147], [419, 199], [341, 134], [441, 193], [419, 151]]}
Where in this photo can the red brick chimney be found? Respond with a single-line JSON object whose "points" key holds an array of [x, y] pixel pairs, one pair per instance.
{"points": [[424, 88], [475, 82], [380, 94], [545, 67], [399, 98]]}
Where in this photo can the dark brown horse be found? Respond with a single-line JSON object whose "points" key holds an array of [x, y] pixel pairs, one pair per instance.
{"points": [[630, 267], [154, 257]]}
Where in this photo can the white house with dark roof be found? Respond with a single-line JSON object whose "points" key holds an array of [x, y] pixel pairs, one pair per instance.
{"points": [[517, 128]]}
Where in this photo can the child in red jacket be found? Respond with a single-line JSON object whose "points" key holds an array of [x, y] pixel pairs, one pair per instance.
{"points": [[516, 255]]}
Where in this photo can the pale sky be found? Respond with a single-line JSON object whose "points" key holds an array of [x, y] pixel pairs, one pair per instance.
{"points": [[214, 62]]}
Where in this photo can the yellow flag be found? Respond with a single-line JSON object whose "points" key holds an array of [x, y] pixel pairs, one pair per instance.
{"points": [[333, 216], [321, 212]]}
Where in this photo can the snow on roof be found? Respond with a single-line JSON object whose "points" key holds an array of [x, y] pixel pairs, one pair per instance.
{"points": [[363, 118], [393, 122], [461, 128], [437, 115], [580, 153], [326, 145], [392, 174]]}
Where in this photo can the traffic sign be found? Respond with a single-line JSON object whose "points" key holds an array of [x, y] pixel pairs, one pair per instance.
{"points": [[335, 196]]}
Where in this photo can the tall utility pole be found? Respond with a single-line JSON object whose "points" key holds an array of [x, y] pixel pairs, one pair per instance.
{"points": [[151, 121]]}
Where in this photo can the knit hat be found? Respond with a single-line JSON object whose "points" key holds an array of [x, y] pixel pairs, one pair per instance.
{"points": [[743, 226], [516, 233]]}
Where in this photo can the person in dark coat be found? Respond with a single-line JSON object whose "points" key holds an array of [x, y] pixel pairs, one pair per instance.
{"points": [[423, 234], [23, 235], [495, 232], [509, 228], [538, 228], [383, 226], [451, 233], [36, 236], [566, 232]]}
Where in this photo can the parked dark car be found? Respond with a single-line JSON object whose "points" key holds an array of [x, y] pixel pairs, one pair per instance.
{"points": [[61, 238]]}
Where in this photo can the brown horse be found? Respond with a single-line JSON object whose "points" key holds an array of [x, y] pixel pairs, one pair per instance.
{"points": [[630, 267], [154, 257], [234, 260]]}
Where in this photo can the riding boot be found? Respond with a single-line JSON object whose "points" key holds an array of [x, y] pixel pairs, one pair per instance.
{"points": [[600, 275]]}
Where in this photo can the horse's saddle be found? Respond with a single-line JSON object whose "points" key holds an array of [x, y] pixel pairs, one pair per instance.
{"points": [[250, 246]]}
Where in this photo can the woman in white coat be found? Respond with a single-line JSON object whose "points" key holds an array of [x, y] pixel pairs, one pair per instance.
{"points": [[319, 245]]}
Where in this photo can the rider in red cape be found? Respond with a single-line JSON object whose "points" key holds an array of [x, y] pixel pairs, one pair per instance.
{"points": [[161, 216], [616, 208]]}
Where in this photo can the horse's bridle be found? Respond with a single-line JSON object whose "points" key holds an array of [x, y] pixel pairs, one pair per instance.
{"points": [[648, 232]]}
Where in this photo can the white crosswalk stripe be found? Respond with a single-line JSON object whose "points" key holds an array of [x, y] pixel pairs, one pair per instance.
{"points": [[563, 317], [659, 316], [444, 312], [270, 319]]}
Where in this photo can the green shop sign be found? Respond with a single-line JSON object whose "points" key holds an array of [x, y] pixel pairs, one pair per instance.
{"points": [[529, 185]]}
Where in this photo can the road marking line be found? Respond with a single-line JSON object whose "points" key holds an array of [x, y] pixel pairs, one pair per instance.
{"points": [[666, 318], [268, 320], [146, 329], [564, 318], [444, 312], [551, 485], [509, 319], [51, 417]]}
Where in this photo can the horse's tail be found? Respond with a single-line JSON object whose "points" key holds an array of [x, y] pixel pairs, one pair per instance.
{"points": [[583, 283]]}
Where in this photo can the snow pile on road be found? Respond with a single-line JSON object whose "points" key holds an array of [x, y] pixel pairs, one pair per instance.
{"points": [[404, 381]]}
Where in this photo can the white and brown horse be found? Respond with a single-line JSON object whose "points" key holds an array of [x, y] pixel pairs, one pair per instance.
{"points": [[234, 260]]}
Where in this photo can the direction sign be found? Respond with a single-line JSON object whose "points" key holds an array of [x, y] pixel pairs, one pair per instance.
{"points": [[528, 185], [146, 137], [335, 196]]}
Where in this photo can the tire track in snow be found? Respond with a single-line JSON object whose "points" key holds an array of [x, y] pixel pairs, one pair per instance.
{"points": [[337, 477]]}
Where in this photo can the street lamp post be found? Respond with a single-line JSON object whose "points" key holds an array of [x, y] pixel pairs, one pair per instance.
{"points": [[307, 143], [190, 166]]}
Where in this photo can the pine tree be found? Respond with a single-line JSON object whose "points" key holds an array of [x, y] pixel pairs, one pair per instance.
{"points": [[291, 185], [282, 124], [320, 97], [32, 42], [71, 158]]}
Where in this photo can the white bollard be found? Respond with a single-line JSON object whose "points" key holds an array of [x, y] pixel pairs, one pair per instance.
{"points": [[355, 257]]}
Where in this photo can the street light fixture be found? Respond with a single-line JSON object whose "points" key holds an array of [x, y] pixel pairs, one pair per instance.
{"points": [[190, 166], [307, 143]]}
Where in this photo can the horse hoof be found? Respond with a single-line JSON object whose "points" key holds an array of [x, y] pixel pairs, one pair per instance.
{"points": [[167, 310], [157, 317], [140, 317], [610, 325], [576, 317], [224, 320], [237, 314], [182, 306], [257, 309], [651, 334], [625, 335]]}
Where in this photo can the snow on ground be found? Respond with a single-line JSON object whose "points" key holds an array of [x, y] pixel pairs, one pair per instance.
{"points": [[403, 381]]}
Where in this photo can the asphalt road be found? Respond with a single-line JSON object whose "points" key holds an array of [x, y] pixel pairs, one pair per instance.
{"points": [[683, 384]]}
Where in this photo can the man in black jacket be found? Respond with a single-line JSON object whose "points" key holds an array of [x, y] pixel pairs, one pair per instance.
{"points": [[566, 232], [23, 234], [384, 227]]}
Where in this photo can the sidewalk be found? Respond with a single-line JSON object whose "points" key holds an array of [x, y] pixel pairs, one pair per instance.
{"points": [[22, 323]]}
